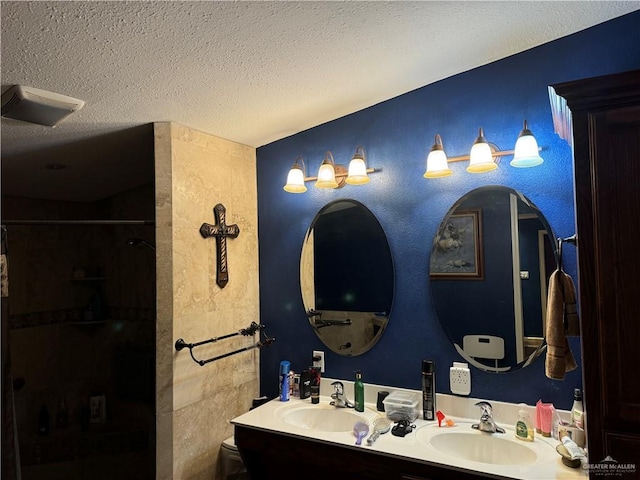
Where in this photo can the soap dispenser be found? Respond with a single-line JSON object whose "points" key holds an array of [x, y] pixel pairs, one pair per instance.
{"points": [[358, 388], [524, 426]]}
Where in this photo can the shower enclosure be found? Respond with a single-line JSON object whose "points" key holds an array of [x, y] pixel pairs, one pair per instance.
{"points": [[81, 335]]}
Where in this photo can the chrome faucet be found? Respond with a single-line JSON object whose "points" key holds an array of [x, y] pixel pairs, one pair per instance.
{"points": [[340, 400], [486, 419]]}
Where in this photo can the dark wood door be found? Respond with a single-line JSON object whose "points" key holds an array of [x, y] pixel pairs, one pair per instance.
{"points": [[606, 135]]}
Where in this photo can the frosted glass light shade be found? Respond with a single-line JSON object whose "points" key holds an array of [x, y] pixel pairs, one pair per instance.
{"points": [[357, 172], [437, 164], [326, 175], [295, 180], [526, 151], [481, 158]]}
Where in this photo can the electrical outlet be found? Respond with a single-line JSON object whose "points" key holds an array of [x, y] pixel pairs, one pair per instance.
{"points": [[318, 360], [460, 378]]}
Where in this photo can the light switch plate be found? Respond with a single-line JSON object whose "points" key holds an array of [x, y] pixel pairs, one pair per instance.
{"points": [[460, 378], [318, 360]]}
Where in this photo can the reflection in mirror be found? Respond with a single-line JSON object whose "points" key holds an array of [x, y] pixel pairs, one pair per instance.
{"points": [[489, 269], [346, 277]]}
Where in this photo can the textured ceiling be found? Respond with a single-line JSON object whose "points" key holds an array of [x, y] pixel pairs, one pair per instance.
{"points": [[253, 72]]}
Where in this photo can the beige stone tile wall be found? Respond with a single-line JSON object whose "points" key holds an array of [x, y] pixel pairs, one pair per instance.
{"points": [[194, 172]]}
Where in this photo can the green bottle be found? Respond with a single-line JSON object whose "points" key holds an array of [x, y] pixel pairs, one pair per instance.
{"points": [[358, 388]]}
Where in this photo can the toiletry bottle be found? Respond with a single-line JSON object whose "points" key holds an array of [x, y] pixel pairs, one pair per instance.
{"points": [[315, 384], [358, 388], [577, 410], [305, 384], [285, 367], [292, 383], [428, 390], [315, 394], [524, 426], [295, 391]]}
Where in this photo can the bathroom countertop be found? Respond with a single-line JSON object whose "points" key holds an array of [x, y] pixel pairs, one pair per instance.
{"points": [[268, 417]]}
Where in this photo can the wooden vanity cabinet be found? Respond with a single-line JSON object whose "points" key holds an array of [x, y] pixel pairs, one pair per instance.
{"points": [[269, 455], [605, 112]]}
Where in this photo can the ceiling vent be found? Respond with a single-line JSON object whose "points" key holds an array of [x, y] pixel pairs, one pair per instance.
{"points": [[33, 105]]}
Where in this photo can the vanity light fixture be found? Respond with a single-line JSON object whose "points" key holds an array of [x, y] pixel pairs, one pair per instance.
{"points": [[484, 155], [295, 179], [358, 168], [330, 174], [526, 151]]}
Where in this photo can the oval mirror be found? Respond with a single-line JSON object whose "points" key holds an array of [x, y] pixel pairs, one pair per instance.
{"points": [[489, 268], [346, 277]]}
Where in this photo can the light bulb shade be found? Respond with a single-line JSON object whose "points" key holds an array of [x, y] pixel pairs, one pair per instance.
{"points": [[295, 180], [437, 164], [481, 157], [327, 175], [526, 150], [357, 172], [357, 169]]}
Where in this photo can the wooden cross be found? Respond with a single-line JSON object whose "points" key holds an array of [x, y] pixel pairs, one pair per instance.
{"points": [[220, 231]]}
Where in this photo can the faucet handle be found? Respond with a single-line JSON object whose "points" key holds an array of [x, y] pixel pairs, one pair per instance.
{"points": [[486, 408], [338, 387]]}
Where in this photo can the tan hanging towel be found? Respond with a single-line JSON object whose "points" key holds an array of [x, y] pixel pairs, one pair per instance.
{"points": [[562, 320]]}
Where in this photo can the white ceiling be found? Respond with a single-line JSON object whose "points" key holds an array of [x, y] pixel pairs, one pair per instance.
{"points": [[251, 72]]}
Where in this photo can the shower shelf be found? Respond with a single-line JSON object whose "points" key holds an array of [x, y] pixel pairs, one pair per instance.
{"points": [[89, 322]]}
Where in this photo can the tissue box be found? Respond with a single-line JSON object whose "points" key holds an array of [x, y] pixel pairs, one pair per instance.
{"points": [[402, 406]]}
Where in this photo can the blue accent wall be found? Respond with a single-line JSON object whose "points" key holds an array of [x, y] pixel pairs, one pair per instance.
{"points": [[397, 135]]}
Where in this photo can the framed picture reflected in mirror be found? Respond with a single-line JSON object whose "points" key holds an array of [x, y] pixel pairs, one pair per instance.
{"points": [[457, 248]]}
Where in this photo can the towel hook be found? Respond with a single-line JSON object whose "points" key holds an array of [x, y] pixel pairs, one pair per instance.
{"points": [[573, 239]]}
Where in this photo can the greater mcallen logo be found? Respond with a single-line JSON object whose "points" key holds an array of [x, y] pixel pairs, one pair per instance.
{"points": [[609, 466]]}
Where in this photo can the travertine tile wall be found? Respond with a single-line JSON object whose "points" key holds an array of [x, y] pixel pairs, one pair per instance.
{"points": [[194, 172]]}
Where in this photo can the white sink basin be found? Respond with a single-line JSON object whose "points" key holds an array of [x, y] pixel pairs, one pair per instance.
{"points": [[324, 418], [476, 446]]}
